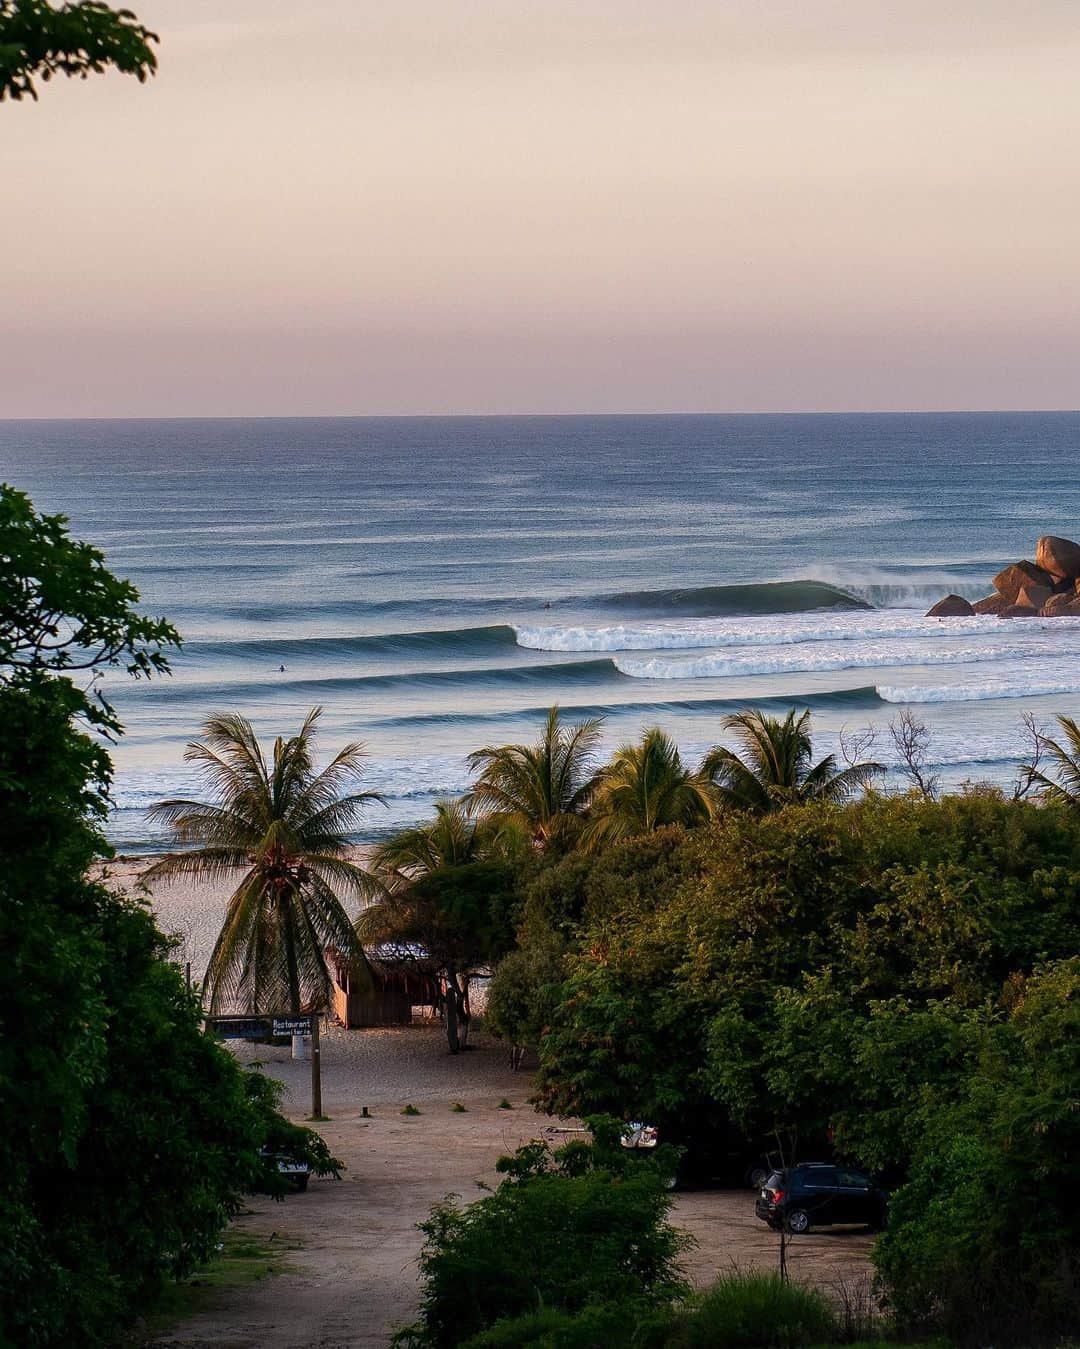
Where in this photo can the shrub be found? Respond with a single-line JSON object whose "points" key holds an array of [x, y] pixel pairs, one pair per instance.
{"points": [[564, 1231], [630, 1325], [754, 1311]]}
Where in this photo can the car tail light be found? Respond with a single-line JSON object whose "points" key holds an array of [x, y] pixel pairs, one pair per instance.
{"points": [[777, 1195]]}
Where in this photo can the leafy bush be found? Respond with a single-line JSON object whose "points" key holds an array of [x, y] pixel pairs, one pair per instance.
{"points": [[982, 1239], [564, 1231], [628, 1324], [754, 1311]]}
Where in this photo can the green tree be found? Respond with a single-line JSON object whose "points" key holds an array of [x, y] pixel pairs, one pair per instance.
{"points": [[774, 768], [127, 1136], [543, 789], [982, 1240], [285, 825], [453, 838], [1064, 787], [645, 787], [569, 1231], [62, 612], [446, 899], [39, 40]]}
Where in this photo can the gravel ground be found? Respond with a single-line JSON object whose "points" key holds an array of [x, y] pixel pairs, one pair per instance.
{"points": [[393, 1065]]}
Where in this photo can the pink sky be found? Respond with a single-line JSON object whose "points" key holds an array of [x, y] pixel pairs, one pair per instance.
{"points": [[502, 206]]}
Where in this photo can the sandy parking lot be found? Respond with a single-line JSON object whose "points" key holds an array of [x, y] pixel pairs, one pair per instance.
{"points": [[353, 1280]]}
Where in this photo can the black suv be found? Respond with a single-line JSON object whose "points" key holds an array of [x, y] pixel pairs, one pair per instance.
{"points": [[818, 1194]]}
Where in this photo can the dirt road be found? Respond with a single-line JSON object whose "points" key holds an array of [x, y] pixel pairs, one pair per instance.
{"points": [[354, 1278]]}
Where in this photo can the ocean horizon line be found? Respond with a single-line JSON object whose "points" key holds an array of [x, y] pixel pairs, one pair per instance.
{"points": [[543, 416]]}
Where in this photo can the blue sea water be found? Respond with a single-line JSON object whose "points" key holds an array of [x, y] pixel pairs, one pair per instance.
{"points": [[436, 583]]}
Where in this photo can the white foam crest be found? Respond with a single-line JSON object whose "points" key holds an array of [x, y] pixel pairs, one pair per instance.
{"points": [[773, 630], [1050, 677], [853, 655]]}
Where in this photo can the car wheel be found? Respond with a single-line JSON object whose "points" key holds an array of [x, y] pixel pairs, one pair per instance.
{"points": [[798, 1222], [757, 1176]]}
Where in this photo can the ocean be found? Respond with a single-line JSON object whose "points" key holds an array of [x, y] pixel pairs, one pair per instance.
{"points": [[435, 584]]}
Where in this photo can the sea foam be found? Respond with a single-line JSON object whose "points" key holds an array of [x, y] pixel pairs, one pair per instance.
{"points": [[778, 630]]}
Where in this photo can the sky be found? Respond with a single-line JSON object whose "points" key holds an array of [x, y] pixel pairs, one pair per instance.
{"points": [[486, 206]]}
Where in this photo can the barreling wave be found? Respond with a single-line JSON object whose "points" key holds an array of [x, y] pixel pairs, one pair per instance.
{"points": [[763, 597]]}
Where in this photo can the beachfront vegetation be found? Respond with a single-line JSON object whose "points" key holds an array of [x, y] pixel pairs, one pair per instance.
{"points": [[127, 1135], [284, 825], [542, 789], [577, 1231], [1064, 786], [574, 1251], [39, 40], [776, 766], [446, 890], [895, 978], [63, 611], [644, 787]]}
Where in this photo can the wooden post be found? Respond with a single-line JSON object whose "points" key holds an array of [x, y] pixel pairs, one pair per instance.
{"points": [[316, 1069]]}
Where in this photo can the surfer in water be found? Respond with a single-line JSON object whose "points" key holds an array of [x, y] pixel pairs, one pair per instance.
{"points": [[281, 669]]}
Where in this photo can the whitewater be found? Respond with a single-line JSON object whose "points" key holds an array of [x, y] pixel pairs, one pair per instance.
{"points": [[437, 583]]}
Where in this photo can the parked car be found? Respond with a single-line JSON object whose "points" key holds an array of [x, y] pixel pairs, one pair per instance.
{"points": [[819, 1194]]}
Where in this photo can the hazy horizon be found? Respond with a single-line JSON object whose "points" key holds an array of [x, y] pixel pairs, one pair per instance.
{"points": [[567, 208]]}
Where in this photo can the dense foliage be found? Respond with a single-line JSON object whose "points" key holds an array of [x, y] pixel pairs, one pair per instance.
{"points": [[893, 978], [568, 1231], [127, 1135]]}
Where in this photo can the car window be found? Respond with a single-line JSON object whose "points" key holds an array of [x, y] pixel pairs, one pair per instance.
{"points": [[855, 1178], [775, 1180], [818, 1175]]}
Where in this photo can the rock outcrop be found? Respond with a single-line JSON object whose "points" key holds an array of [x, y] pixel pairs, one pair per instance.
{"points": [[1049, 587], [952, 606], [993, 604], [1013, 579], [1060, 557], [1062, 606]]}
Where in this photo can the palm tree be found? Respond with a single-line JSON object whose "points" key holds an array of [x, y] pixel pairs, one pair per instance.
{"points": [[422, 872], [1065, 787], [283, 824], [644, 787], [452, 839], [544, 788], [775, 769]]}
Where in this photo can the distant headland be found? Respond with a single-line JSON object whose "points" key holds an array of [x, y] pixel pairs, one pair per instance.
{"points": [[1049, 587]]}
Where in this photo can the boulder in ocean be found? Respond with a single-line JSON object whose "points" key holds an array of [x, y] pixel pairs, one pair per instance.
{"points": [[1018, 611], [1062, 606], [1059, 557], [1034, 596], [952, 606], [993, 604], [1010, 581]]}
